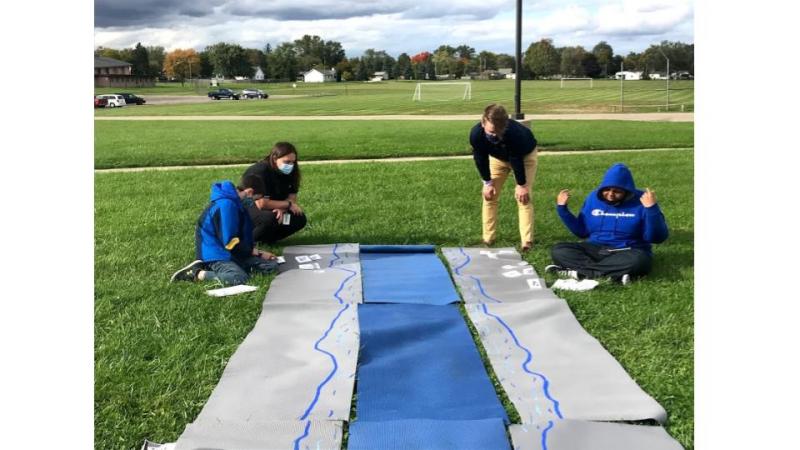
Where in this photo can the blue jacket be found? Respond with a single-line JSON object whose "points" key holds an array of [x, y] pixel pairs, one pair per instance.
{"points": [[224, 229], [518, 141], [627, 224]]}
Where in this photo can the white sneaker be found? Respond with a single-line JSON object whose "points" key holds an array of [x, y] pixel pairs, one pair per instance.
{"points": [[625, 280]]}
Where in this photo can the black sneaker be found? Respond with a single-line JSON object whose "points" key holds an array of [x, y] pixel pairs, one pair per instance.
{"points": [[188, 273], [562, 272]]}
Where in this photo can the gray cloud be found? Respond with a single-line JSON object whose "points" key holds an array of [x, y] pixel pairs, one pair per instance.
{"points": [[124, 13], [311, 10]]}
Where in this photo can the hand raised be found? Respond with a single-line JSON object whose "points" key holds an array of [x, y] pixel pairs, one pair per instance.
{"points": [[563, 197], [648, 199]]}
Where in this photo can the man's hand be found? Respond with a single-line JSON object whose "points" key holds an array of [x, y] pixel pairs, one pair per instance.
{"points": [[489, 192], [563, 197], [296, 209], [278, 213], [521, 194], [648, 199], [267, 255]]}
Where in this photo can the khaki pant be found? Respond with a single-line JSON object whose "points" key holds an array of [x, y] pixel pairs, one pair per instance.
{"points": [[500, 170]]}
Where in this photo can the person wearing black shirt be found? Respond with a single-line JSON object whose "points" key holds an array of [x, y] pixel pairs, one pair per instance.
{"points": [[277, 215], [500, 146]]}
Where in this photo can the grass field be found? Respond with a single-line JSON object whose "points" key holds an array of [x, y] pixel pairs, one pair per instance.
{"points": [[160, 348], [395, 97], [159, 143]]}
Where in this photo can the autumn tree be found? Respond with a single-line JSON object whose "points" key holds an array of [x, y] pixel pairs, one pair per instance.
{"points": [[182, 64]]}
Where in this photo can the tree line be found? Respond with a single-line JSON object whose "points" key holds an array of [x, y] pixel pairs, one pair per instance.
{"points": [[542, 59]]}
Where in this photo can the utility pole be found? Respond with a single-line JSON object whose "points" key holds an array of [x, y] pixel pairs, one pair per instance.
{"points": [[518, 115], [668, 75]]}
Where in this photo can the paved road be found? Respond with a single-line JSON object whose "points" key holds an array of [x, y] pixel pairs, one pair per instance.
{"points": [[190, 99], [645, 117]]}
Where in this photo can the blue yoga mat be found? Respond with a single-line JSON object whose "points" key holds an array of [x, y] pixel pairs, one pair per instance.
{"points": [[487, 434], [405, 274], [420, 362]]}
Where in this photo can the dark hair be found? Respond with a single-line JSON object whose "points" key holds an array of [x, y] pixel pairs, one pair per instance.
{"points": [[279, 150], [252, 181], [497, 115]]}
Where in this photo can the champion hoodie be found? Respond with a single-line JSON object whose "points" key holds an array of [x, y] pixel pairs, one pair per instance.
{"points": [[224, 229], [627, 224]]}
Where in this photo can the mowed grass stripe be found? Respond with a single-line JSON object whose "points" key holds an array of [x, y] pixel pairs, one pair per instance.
{"points": [[170, 143], [395, 97], [160, 348]]}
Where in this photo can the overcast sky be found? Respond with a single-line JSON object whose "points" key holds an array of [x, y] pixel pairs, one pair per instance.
{"points": [[396, 26]]}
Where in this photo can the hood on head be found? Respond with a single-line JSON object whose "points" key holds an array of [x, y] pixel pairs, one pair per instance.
{"points": [[224, 189], [618, 176]]}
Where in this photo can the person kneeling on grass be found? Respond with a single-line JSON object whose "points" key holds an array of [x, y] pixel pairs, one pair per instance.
{"points": [[223, 237], [620, 222], [277, 215]]}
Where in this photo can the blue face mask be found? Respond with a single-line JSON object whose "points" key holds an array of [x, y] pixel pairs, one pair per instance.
{"points": [[286, 168], [492, 139], [247, 202]]}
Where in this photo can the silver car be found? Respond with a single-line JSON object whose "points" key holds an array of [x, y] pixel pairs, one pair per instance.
{"points": [[253, 93]]}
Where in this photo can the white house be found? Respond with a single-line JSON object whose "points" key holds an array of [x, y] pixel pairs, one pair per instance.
{"points": [[259, 74], [380, 76], [315, 76], [628, 75], [507, 73]]}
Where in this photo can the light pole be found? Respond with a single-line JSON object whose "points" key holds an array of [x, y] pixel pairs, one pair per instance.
{"points": [[665, 57], [518, 115], [622, 87]]}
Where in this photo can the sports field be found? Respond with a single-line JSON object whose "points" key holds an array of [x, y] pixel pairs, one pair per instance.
{"points": [[395, 97], [160, 348]]}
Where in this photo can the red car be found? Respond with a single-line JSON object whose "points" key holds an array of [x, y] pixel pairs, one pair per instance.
{"points": [[100, 102]]}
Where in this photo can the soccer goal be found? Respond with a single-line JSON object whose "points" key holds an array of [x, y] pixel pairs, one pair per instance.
{"points": [[443, 91], [577, 82]]}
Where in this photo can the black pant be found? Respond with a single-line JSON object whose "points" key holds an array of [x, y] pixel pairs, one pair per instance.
{"points": [[266, 227], [594, 261]]}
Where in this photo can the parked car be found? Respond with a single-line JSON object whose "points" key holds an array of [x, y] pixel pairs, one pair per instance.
{"points": [[100, 102], [131, 99], [114, 100], [223, 93], [254, 93]]}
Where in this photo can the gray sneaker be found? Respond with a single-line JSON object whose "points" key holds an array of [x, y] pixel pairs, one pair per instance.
{"points": [[188, 273]]}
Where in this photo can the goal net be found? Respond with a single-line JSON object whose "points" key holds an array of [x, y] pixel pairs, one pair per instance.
{"points": [[577, 82], [443, 91]]}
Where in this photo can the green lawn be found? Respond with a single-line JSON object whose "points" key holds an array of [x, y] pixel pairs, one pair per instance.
{"points": [[159, 143], [160, 348], [395, 97]]}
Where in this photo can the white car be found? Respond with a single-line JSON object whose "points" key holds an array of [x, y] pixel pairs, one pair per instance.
{"points": [[113, 100]]}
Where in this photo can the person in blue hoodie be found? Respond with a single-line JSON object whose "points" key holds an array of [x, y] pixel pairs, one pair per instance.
{"points": [[619, 223], [224, 237]]}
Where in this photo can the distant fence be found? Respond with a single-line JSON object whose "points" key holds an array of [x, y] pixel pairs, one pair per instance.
{"points": [[125, 81]]}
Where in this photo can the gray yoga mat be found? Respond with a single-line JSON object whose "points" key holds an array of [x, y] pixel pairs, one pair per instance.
{"points": [[551, 368], [338, 253], [233, 435], [298, 363], [580, 435], [497, 275], [337, 279]]}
